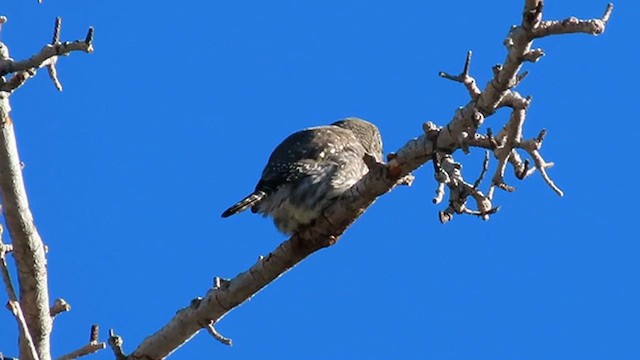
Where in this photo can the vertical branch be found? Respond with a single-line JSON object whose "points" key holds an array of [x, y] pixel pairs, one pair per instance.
{"points": [[28, 249]]}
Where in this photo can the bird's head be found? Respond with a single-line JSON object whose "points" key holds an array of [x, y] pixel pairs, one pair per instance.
{"points": [[367, 134]]}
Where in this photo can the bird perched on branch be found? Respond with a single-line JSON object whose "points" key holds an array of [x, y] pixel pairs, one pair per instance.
{"points": [[309, 169]]}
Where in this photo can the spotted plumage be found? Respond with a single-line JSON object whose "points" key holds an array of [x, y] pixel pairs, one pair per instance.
{"points": [[309, 169]]}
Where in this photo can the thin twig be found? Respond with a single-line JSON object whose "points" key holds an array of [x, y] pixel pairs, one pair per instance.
{"points": [[216, 335], [56, 31], [607, 13], [6, 276], [48, 57], [93, 346], [16, 310], [485, 168], [14, 305], [465, 78]]}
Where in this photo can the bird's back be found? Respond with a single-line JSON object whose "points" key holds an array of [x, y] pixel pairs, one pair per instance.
{"points": [[309, 169], [302, 153]]}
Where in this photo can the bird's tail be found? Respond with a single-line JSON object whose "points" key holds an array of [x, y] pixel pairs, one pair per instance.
{"points": [[245, 203]]}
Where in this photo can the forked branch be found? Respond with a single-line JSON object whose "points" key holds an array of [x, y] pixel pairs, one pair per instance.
{"points": [[47, 57]]}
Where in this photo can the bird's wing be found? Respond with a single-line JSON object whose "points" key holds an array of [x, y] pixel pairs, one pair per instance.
{"points": [[299, 153]]}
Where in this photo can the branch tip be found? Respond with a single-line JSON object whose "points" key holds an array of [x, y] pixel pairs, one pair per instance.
{"points": [[216, 335], [465, 71], [533, 55], [542, 135], [89, 38], [607, 13], [407, 180], [485, 168], [59, 306], [467, 63], [439, 194], [93, 346], [445, 217], [95, 333], [53, 73], [220, 283], [505, 187], [116, 342], [464, 78], [56, 31], [524, 171]]}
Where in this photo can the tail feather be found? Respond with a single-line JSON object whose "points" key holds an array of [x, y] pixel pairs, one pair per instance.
{"points": [[245, 203]]}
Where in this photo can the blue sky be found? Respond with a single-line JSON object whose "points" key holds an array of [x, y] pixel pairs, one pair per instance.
{"points": [[173, 117]]}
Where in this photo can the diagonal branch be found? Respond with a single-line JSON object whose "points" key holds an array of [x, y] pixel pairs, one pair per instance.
{"points": [[436, 143], [221, 299]]}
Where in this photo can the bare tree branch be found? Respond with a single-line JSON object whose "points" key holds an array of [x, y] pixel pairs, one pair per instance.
{"points": [[93, 346], [59, 306], [16, 310], [465, 78], [13, 304], [436, 143], [28, 248], [116, 342], [48, 56], [216, 335], [574, 25]]}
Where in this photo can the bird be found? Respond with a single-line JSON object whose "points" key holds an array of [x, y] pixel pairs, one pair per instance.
{"points": [[310, 169]]}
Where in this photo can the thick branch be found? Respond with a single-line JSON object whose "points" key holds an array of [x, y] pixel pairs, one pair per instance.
{"points": [[460, 133], [28, 248], [220, 300]]}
